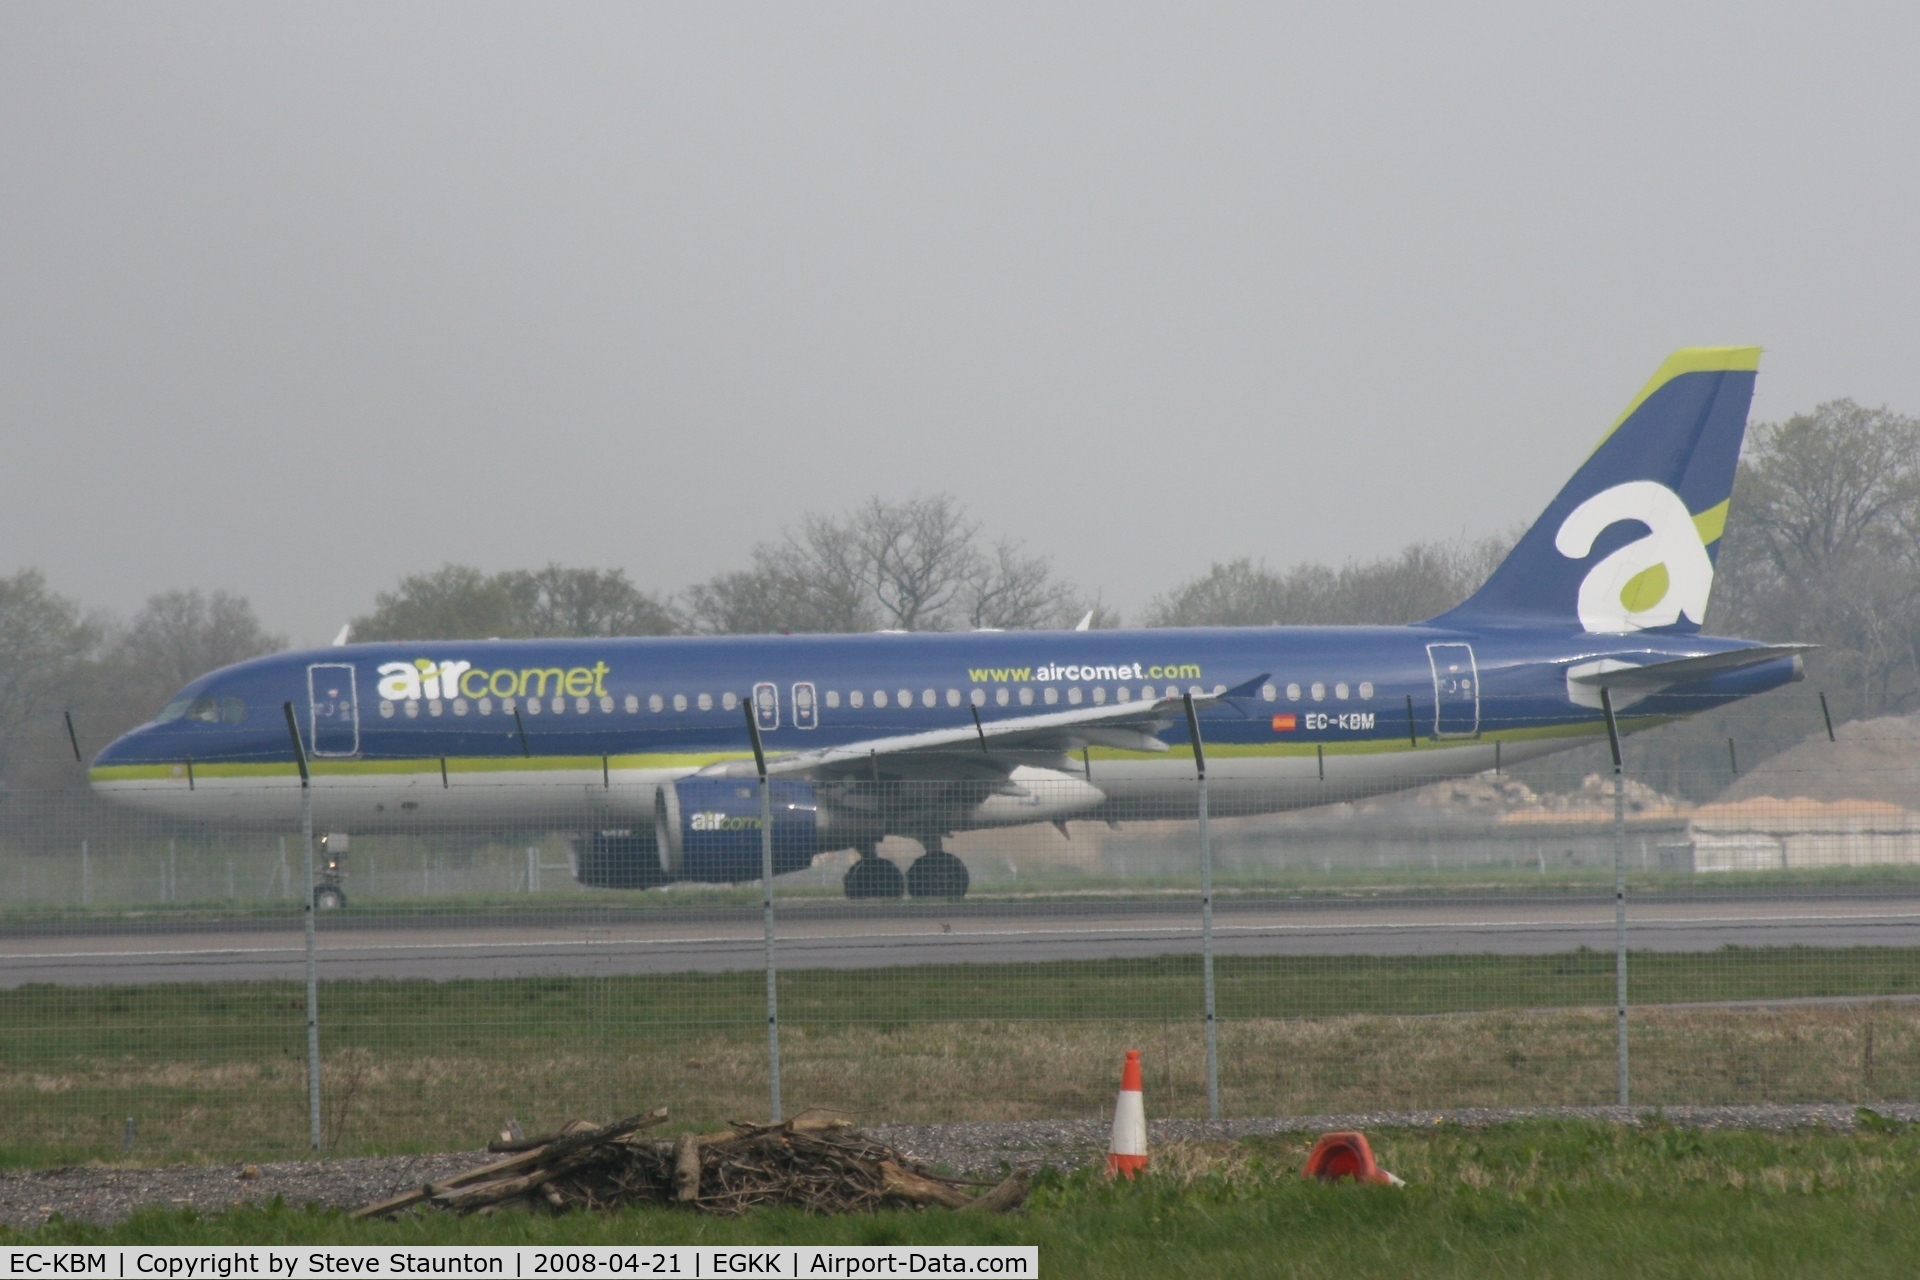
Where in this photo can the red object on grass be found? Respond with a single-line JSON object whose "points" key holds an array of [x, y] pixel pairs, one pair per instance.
{"points": [[1346, 1155]]}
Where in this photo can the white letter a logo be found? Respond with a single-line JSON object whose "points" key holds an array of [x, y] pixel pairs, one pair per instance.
{"points": [[1650, 582]]}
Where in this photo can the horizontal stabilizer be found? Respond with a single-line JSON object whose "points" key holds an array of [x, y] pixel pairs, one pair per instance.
{"points": [[1661, 675], [1630, 682]]}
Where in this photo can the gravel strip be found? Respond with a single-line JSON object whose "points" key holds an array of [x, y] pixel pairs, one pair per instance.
{"points": [[106, 1194]]}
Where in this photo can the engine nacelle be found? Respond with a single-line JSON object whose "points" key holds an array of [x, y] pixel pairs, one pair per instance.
{"points": [[626, 858], [709, 828]]}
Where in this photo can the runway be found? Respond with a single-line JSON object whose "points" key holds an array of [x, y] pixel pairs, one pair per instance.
{"points": [[877, 935]]}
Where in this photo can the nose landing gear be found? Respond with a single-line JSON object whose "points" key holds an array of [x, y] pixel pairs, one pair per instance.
{"points": [[329, 882]]}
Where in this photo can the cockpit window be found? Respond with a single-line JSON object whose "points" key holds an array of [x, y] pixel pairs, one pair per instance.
{"points": [[204, 709], [233, 711], [172, 711]]}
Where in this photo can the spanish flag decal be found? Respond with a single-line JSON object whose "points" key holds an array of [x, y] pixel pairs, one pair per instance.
{"points": [[1284, 723]]}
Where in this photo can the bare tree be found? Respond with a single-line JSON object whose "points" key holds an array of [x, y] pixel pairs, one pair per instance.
{"points": [[557, 601], [45, 644], [460, 602], [809, 582], [917, 558], [1010, 590], [913, 566], [176, 637], [1425, 579], [1821, 546]]}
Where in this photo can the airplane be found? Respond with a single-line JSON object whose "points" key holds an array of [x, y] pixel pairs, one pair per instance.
{"points": [[644, 746]]}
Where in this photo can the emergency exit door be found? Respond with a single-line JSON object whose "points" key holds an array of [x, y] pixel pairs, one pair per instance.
{"points": [[334, 726], [1456, 690]]}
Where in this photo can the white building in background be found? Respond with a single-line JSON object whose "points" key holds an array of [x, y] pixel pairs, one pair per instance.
{"points": [[1769, 834]]}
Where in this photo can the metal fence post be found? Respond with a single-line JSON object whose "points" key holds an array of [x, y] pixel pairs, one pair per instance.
{"points": [[313, 973], [1206, 913], [1619, 894], [86, 876], [766, 910]]}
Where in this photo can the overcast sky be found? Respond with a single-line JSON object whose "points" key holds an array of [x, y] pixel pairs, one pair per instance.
{"points": [[295, 299]]}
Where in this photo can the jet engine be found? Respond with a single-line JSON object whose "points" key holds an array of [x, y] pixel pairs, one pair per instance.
{"points": [[709, 828]]}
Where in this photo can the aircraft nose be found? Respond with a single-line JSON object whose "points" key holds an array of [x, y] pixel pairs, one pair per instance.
{"points": [[135, 746]]}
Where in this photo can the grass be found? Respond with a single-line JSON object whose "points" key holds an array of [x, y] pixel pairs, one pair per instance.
{"points": [[219, 1069], [1534, 1199]]}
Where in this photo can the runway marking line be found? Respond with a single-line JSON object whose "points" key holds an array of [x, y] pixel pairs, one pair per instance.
{"points": [[1484, 926]]}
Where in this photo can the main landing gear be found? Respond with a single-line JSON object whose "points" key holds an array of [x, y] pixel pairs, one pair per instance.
{"points": [[934, 874], [874, 877]]}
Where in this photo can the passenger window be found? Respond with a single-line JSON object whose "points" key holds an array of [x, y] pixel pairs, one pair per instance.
{"points": [[1340, 690], [729, 700], [459, 706], [1293, 693], [1000, 696], [559, 706], [633, 703], [1026, 697], [233, 711], [1099, 695], [1319, 691], [679, 702], [928, 697], [1267, 693], [1123, 694], [706, 702], [1052, 695], [606, 704], [879, 697], [582, 706], [486, 706], [906, 697], [857, 697], [1073, 696], [953, 697], [833, 697], [654, 703], [1366, 688], [978, 697]]}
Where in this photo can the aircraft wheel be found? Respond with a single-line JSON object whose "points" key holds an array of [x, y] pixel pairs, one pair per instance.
{"points": [[938, 875], [874, 878], [328, 898]]}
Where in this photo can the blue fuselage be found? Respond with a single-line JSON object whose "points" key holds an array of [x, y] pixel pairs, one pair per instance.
{"points": [[403, 736]]}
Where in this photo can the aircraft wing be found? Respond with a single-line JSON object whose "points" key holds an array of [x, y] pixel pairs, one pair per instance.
{"points": [[995, 747], [1654, 676]]}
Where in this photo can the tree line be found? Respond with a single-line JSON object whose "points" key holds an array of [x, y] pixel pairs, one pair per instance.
{"points": [[1822, 545]]}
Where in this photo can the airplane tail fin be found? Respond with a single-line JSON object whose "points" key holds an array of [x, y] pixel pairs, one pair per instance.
{"points": [[1630, 542]]}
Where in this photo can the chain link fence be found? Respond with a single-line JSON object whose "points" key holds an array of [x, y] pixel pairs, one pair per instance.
{"points": [[1448, 946]]}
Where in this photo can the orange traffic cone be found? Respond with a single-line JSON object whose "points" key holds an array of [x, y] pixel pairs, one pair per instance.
{"points": [[1127, 1152], [1346, 1155]]}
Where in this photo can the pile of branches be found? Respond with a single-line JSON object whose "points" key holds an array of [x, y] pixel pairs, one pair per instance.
{"points": [[817, 1163]]}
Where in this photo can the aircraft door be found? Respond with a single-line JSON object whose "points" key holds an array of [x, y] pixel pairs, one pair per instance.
{"points": [[1456, 690], [334, 726], [806, 711], [766, 706]]}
